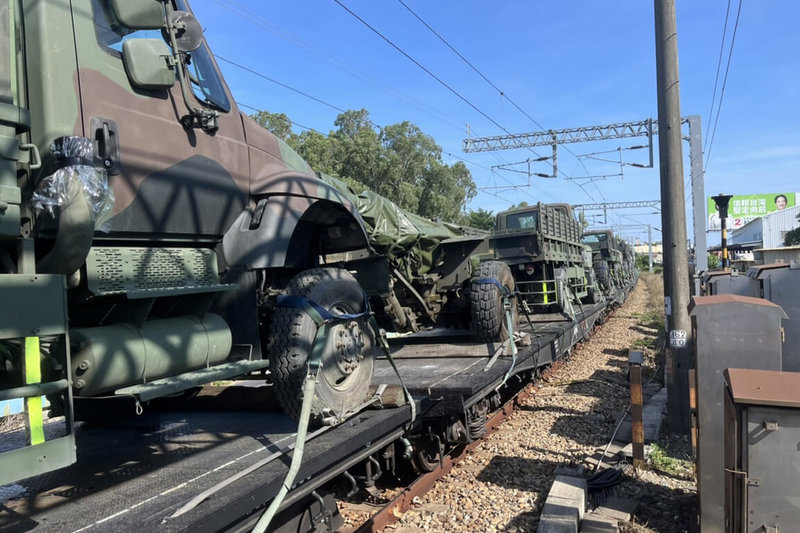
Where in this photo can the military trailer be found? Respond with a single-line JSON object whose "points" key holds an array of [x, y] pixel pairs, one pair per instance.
{"points": [[148, 228], [417, 272], [540, 247]]}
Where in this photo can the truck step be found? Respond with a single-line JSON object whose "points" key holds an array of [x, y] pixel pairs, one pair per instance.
{"points": [[181, 382]]}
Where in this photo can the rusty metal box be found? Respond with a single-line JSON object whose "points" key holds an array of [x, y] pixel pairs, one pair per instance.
{"points": [[762, 460]]}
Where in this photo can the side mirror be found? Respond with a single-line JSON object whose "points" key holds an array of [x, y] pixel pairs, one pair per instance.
{"points": [[147, 62], [139, 14]]}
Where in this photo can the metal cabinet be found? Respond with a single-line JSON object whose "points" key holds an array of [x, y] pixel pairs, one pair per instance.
{"points": [[762, 459], [729, 331]]}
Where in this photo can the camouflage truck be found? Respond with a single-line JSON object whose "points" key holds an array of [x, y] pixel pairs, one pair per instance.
{"points": [[608, 260], [147, 227], [539, 247]]}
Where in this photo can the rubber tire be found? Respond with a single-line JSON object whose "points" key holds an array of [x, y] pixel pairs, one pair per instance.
{"points": [[291, 340], [602, 274], [486, 302]]}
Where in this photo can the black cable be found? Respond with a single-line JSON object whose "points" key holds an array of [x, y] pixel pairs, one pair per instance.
{"points": [[719, 64], [724, 83]]}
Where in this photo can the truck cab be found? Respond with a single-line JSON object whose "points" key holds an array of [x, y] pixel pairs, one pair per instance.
{"points": [[147, 225]]}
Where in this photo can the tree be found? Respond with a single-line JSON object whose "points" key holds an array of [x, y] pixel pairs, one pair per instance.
{"points": [[714, 262], [792, 237], [398, 162], [277, 123], [480, 219]]}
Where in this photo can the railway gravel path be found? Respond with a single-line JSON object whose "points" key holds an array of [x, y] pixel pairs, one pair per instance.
{"points": [[503, 484]]}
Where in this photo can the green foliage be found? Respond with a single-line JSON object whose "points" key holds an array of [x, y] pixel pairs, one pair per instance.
{"points": [[398, 162], [643, 262], [277, 123], [714, 262], [480, 219], [792, 236], [662, 460], [521, 204], [582, 220]]}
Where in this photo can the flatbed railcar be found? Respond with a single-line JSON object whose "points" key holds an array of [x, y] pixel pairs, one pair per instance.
{"points": [[139, 472]]}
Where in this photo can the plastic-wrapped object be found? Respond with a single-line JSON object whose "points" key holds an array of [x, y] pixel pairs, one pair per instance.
{"points": [[75, 162]]}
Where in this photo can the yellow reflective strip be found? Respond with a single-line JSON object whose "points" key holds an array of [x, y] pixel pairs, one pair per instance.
{"points": [[35, 419], [33, 405], [33, 367], [544, 290]]}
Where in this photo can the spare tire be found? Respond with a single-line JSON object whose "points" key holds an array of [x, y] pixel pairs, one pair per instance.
{"points": [[486, 302], [348, 357], [601, 271]]}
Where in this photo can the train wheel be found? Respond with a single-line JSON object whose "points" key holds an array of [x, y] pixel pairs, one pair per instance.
{"points": [[348, 357], [427, 456], [486, 302]]}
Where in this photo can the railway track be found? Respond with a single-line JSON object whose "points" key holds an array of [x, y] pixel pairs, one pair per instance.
{"points": [[499, 482], [405, 498]]}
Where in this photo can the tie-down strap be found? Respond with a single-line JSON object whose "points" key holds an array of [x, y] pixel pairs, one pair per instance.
{"points": [[323, 319]]}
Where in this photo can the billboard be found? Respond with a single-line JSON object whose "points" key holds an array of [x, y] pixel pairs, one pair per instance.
{"points": [[745, 207]]}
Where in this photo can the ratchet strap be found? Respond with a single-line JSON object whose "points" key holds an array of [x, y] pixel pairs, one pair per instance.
{"points": [[507, 311]]}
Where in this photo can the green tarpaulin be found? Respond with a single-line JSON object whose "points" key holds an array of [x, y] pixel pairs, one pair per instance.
{"points": [[408, 240]]}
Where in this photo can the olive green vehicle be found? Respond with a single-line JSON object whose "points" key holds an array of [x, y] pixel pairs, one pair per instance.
{"points": [[539, 249], [147, 227], [614, 263]]}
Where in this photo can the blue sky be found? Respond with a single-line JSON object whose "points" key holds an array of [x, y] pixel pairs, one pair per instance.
{"points": [[565, 63]]}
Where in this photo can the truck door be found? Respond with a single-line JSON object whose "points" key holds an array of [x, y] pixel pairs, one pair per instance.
{"points": [[169, 180]]}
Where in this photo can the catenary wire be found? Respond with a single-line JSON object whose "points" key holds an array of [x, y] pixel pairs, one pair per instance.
{"points": [[724, 83]]}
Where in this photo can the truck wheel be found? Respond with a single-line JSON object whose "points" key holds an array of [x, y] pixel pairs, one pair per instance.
{"points": [[601, 271], [348, 357], [486, 302]]}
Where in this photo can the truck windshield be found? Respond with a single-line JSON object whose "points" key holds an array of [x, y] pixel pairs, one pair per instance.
{"points": [[522, 220], [6, 60], [207, 86], [598, 238]]}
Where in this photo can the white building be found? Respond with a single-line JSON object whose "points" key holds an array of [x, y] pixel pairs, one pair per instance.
{"points": [[768, 231]]}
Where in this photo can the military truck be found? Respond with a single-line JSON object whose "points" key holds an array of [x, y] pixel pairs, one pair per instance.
{"points": [[540, 248], [614, 263], [148, 228]]}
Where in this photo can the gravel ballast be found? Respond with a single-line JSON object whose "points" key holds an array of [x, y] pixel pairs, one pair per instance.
{"points": [[503, 484]]}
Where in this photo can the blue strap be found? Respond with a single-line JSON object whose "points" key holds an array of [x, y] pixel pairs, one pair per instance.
{"points": [[503, 288], [323, 315]]}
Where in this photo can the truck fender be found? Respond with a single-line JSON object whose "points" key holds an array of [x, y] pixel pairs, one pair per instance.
{"points": [[279, 229]]}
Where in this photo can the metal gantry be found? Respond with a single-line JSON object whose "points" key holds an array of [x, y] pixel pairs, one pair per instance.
{"points": [[617, 205], [642, 128]]}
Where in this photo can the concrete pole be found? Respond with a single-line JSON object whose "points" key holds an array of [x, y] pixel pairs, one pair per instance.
{"points": [[673, 219], [650, 244], [698, 194]]}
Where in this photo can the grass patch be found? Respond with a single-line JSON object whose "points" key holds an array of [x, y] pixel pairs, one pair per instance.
{"points": [[648, 342], [662, 460]]}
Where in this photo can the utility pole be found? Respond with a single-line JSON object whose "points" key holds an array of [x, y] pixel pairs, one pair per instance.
{"points": [[673, 218], [650, 245]]}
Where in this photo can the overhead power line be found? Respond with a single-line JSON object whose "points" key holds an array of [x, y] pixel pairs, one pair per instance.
{"points": [[420, 65], [724, 84], [719, 66]]}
